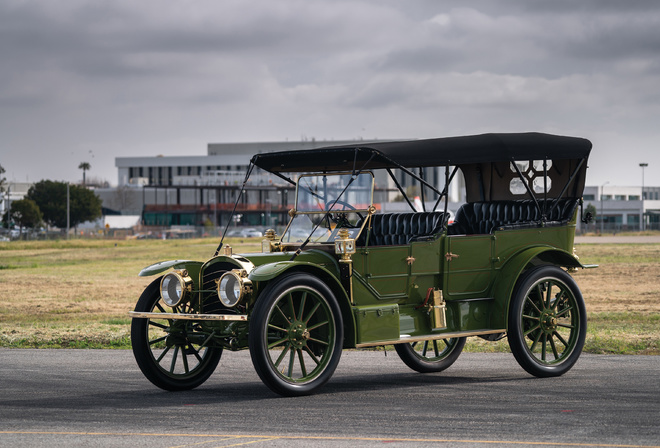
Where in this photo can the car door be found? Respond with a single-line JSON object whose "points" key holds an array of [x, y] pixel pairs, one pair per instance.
{"points": [[468, 266]]}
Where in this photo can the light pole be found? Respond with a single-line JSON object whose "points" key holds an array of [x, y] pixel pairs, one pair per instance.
{"points": [[642, 226], [602, 217]]}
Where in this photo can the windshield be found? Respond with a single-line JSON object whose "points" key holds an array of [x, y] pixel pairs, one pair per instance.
{"points": [[327, 203]]}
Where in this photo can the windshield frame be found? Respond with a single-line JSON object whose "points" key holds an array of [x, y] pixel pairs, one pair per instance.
{"points": [[330, 207]]}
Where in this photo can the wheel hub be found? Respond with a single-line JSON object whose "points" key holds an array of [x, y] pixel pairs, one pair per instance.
{"points": [[548, 322], [298, 334]]}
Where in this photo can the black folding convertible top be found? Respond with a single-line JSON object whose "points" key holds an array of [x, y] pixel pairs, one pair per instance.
{"points": [[426, 153]]}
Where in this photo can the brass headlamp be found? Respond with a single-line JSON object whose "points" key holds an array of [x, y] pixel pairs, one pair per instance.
{"points": [[175, 287], [233, 287]]}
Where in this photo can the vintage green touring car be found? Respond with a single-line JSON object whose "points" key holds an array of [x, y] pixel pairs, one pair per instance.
{"points": [[345, 275]]}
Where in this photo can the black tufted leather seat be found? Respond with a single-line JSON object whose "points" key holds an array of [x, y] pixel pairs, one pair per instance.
{"points": [[486, 217], [390, 229]]}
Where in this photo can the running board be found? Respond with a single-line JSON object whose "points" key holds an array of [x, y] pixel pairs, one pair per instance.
{"points": [[181, 316], [408, 339]]}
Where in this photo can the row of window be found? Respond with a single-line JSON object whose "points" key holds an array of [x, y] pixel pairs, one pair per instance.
{"points": [[648, 195], [163, 175]]}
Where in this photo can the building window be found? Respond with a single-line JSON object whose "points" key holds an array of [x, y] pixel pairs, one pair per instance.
{"points": [[589, 197]]}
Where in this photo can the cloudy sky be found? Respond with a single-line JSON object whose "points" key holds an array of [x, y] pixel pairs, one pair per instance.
{"points": [[88, 81]]}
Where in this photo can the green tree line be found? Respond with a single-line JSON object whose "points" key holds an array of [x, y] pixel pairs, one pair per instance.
{"points": [[46, 202]]}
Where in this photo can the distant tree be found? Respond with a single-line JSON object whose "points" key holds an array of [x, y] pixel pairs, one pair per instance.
{"points": [[50, 196], [25, 213], [5, 220], [2, 184], [591, 209], [2, 181], [84, 166]]}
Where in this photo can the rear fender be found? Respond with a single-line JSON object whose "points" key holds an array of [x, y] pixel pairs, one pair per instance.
{"points": [[508, 277]]}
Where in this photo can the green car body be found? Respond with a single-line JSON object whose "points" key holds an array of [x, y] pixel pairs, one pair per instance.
{"points": [[366, 279]]}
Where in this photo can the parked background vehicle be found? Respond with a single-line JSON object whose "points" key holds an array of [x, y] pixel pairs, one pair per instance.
{"points": [[343, 275]]}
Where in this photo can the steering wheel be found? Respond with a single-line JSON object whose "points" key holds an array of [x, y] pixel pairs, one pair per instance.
{"points": [[340, 216]]}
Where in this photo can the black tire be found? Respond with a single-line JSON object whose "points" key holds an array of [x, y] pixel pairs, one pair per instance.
{"points": [[296, 335], [169, 352], [547, 322], [443, 353]]}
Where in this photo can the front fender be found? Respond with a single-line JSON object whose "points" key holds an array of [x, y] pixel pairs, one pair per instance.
{"points": [[514, 267], [269, 271], [162, 266]]}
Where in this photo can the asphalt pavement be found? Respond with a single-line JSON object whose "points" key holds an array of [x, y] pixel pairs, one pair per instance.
{"points": [[65, 398]]}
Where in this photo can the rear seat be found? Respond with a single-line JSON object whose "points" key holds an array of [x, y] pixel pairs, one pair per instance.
{"points": [[391, 229], [486, 217]]}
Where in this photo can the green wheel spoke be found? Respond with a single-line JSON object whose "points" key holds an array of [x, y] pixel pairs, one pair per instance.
{"points": [[278, 342], [196, 354], [184, 358], [292, 361], [160, 307], [174, 356], [529, 300], [561, 339], [292, 308], [311, 313], [564, 311], [282, 355], [570, 326], [303, 299], [539, 292], [158, 325], [554, 348], [548, 295], [275, 327], [302, 363], [425, 348], [536, 341], [156, 341], [319, 341], [544, 347], [162, 355], [531, 330], [312, 355], [435, 348], [286, 319], [320, 324]]}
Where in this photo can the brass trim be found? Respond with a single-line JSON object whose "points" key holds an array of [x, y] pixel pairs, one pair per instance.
{"points": [[182, 316], [456, 334]]}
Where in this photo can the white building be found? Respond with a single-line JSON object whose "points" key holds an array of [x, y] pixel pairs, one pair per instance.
{"points": [[624, 208]]}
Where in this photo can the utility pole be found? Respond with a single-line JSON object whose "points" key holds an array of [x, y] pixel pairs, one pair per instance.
{"points": [[643, 220], [68, 211]]}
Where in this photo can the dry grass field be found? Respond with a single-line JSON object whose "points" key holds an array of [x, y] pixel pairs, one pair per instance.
{"points": [[78, 293]]}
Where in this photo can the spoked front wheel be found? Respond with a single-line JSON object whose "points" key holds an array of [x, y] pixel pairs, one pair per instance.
{"points": [[296, 335], [173, 354], [430, 356], [547, 322]]}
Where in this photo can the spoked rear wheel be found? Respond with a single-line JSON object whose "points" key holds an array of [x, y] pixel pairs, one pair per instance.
{"points": [[430, 356], [171, 353], [547, 322], [296, 335]]}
